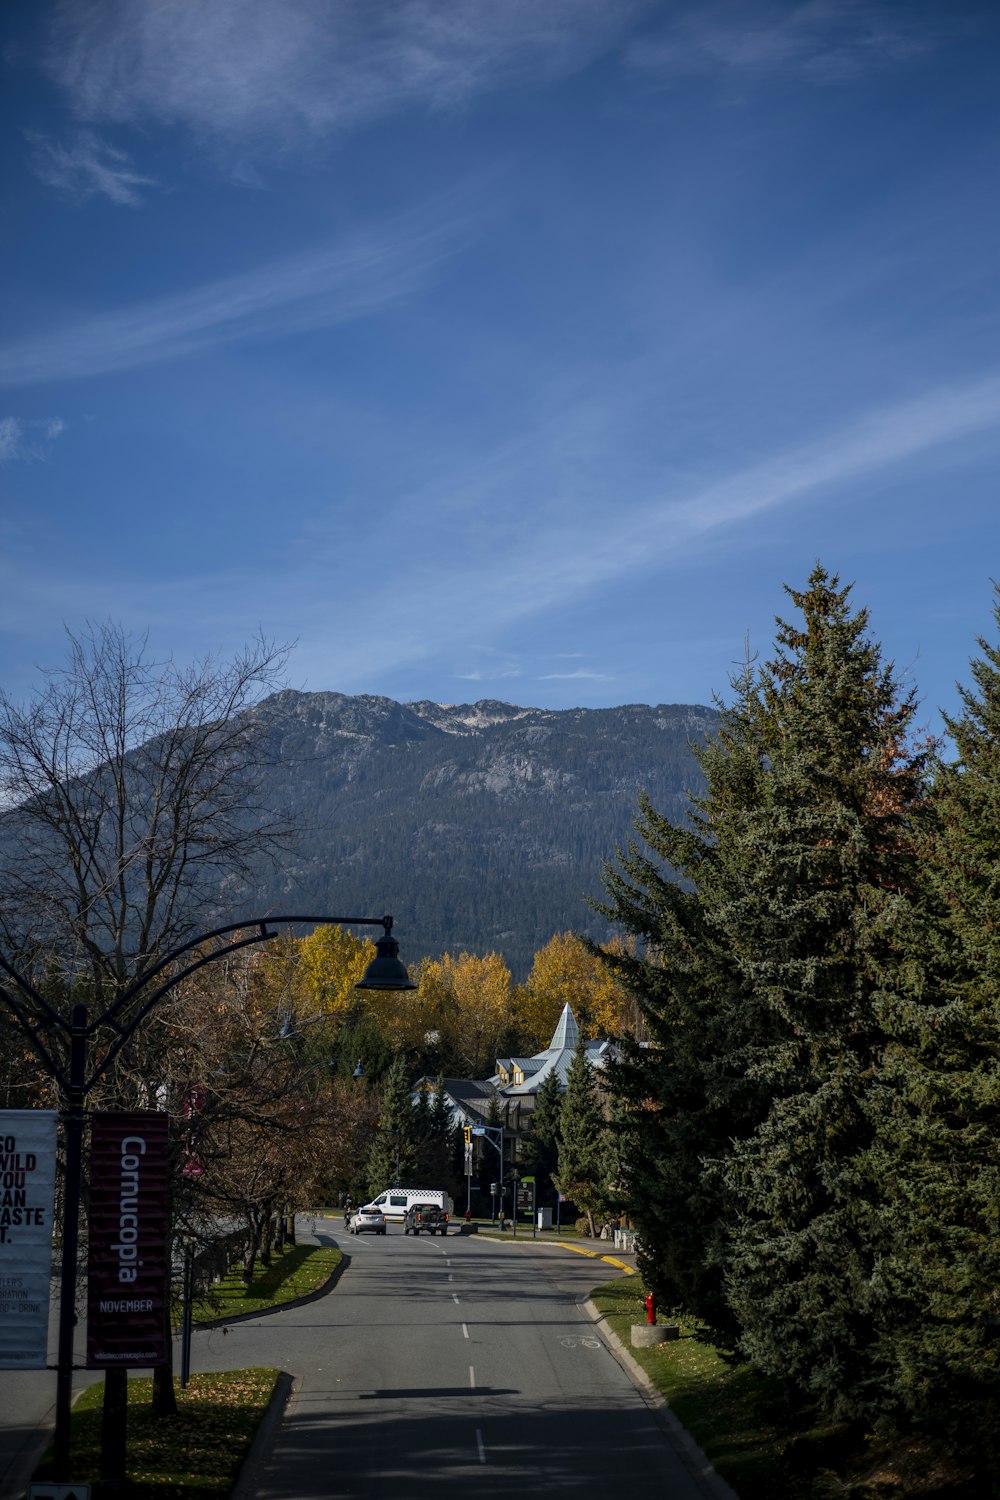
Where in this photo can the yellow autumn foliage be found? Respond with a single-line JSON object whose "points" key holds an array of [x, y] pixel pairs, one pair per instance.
{"points": [[468, 1001], [565, 972], [330, 963]]}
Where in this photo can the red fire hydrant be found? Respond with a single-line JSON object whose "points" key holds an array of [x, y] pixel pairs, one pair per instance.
{"points": [[650, 1309], [468, 1216]]}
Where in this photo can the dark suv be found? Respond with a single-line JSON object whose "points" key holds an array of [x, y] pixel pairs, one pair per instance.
{"points": [[425, 1216]]}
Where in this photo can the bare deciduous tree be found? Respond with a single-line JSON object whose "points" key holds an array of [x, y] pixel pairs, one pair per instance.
{"points": [[130, 785], [130, 790]]}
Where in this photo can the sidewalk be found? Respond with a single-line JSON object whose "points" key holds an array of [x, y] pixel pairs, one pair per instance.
{"points": [[621, 1260]]}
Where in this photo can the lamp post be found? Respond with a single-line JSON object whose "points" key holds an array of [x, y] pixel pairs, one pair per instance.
{"points": [[494, 1134], [36, 1017]]}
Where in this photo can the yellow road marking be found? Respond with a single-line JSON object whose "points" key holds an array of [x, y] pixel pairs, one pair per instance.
{"points": [[594, 1255]]}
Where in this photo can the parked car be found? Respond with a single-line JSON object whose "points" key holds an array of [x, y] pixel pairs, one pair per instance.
{"points": [[368, 1220], [429, 1216]]}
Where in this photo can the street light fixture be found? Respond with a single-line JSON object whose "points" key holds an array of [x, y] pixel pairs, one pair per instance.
{"points": [[386, 972], [35, 1016]]}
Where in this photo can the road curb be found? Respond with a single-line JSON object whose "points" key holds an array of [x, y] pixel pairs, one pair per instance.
{"points": [[279, 1307], [695, 1461], [248, 1479], [611, 1260]]}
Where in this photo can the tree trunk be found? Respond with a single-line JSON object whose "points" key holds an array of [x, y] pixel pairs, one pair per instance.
{"points": [[164, 1399], [114, 1431], [250, 1254]]}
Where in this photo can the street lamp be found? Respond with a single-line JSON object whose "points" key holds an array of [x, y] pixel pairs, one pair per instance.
{"points": [[25, 1002]]}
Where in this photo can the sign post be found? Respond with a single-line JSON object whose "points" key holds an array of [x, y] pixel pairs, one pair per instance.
{"points": [[528, 1197]]}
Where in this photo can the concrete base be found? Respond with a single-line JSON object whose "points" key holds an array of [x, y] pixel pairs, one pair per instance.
{"points": [[645, 1335]]}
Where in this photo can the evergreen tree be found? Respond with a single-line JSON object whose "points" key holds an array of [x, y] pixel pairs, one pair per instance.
{"points": [[937, 1153], [582, 1140], [767, 985], [434, 1143], [488, 1167], [394, 1138], [827, 879], [540, 1147], [686, 1092]]}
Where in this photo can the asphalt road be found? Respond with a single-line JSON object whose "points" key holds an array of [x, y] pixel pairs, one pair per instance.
{"points": [[435, 1362], [443, 1362]]}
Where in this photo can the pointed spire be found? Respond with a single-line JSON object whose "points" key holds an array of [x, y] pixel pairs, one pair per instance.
{"points": [[566, 1036]]}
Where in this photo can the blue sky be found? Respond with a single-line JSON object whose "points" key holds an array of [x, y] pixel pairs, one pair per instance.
{"points": [[498, 349]]}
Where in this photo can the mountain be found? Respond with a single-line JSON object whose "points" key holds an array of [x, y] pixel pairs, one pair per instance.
{"points": [[479, 826]]}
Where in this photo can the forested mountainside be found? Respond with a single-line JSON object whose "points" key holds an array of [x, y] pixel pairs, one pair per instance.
{"points": [[479, 826]]}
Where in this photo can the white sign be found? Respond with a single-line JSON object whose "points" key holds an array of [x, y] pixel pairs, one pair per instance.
{"points": [[27, 1188]]}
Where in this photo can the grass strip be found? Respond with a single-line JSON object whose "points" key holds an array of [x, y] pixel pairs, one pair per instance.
{"points": [[727, 1409], [295, 1272], [765, 1450], [195, 1454]]}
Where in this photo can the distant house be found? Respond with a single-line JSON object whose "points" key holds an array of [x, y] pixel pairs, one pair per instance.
{"points": [[517, 1080]]}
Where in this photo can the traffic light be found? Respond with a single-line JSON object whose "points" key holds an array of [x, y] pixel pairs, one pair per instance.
{"points": [[467, 1134]]}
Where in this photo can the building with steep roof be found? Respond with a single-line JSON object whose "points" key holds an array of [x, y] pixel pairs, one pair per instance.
{"points": [[517, 1080]]}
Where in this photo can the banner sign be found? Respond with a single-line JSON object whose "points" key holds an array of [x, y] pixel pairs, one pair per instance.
{"points": [[27, 1189], [128, 1282]]}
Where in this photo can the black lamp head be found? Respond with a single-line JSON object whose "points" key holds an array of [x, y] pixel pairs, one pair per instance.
{"points": [[386, 971]]}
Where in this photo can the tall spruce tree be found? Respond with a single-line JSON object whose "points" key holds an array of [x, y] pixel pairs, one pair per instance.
{"points": [[751, 1112], [937, 1151], [434, 1140], [394, 1138], [686, 1091], [818, 932], [582, 1139], [540, 1147]]}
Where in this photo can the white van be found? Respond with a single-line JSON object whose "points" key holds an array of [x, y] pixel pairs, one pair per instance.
{"points": [[395, 1201]]}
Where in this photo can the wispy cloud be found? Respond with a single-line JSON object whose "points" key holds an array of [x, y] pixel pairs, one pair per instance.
{"points": [[86, 168], [665, 526], [272, 72], [463, 600], [581, 674], [32, 438], [550, 565], [822, 40], [352, 279], [499, 667], [253, 79]]}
